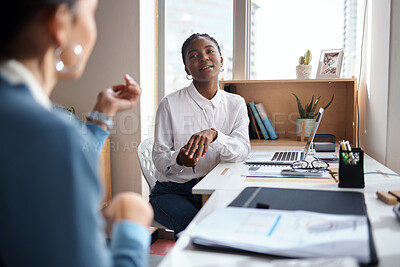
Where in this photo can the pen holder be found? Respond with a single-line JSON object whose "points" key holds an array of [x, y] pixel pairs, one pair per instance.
{"points": [[351, 168]]}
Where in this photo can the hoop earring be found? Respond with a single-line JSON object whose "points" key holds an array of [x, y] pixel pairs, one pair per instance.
{"points": [[189, 77], [221, 69], [78, 52]]}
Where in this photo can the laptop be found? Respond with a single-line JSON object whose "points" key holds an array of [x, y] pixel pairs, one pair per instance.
{"points": [[285, 157]]}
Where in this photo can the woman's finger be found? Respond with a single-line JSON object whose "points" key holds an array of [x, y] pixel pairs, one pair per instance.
{"points": [[194, 146]]}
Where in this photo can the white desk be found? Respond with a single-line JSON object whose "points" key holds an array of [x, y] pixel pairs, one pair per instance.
{"points": [[225, 187], [386, 232], [231, 179]]}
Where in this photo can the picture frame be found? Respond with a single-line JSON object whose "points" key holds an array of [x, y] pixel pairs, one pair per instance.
{"points": [[330, 64]]}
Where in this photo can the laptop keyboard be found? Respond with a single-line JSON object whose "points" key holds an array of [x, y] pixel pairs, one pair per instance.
{"points": [[285, 156]]}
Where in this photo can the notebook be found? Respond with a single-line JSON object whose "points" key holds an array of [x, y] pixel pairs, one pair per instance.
{"points": [[285, 157]]}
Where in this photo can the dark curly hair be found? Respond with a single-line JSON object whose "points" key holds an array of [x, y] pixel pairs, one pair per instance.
{"points": [[196, 36]]}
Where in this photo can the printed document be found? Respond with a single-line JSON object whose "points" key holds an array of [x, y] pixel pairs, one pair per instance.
{"points": [[285, 233], [275, 171]]}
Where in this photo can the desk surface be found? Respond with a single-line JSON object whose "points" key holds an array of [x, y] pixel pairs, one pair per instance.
{"points": [[227, 176], [225, 187], [386, 232]]}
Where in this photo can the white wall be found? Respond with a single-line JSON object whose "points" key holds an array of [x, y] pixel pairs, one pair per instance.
{"points": [[148, 75], [116, 53], [393, 139], [374, 81]]}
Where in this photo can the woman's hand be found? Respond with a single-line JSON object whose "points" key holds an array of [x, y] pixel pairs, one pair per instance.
{"points": [[128, 206], [198, 144], [184, 159], [118, 98]]}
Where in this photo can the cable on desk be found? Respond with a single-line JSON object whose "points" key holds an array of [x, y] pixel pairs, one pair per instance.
{"points": [[383, 173], [359, 75]]}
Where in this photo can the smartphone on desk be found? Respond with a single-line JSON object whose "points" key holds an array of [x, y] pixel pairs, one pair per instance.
{"points": [[330, 157], [302, 173]]}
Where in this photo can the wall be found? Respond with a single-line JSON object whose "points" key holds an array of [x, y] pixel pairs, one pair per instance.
{"points": [[393, 140], [373, 95], [116, 53]]}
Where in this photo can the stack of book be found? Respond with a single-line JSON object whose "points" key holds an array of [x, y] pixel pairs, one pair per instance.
{"points": [[260, 126]]}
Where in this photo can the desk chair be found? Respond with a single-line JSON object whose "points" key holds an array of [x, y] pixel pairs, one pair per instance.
{"points": [[148, 168]]}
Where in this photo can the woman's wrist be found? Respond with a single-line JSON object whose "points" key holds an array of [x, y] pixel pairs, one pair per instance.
{"points": [[178, 159], [215, 134], [105, 109], [102, 119], [105, 104]]}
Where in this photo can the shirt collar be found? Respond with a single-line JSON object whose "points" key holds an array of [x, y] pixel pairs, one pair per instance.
{"points": [[16, 73], [201, 100]]}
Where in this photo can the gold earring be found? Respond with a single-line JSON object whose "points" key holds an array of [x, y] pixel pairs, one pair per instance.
{"points": [[78, 52], [189, 77]]}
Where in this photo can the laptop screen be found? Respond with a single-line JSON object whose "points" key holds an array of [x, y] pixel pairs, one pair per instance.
{"points": [[311, 137]]}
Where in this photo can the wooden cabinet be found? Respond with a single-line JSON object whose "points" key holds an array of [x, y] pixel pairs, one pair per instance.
{"points": [[339, 119], [105, 174]]}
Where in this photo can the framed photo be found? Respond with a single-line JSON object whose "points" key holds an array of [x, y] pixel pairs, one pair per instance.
{"points": [[330, 64]]}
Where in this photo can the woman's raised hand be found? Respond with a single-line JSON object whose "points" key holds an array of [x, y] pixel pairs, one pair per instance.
{"points": [[118, 98]]}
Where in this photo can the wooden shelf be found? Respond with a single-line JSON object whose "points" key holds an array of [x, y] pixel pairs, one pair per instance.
{"points": [[339, 119], [105, 174], [281, 141]]}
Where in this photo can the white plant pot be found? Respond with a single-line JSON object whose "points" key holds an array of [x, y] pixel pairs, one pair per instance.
{"points": [[303, 71], [309, 125]]}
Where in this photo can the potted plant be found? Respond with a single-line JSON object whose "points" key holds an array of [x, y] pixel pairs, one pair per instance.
{"points": [[303, 70], [307, 114]]}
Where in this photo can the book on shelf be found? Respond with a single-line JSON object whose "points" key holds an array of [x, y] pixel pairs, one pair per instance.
{"points": [[230, 89], [254, 133], [267, 123], [258, 120]]}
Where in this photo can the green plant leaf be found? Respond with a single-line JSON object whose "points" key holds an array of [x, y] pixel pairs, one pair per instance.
{"points": [[307, 57], [330, 102], [306, 111], [326, 106], [314, 107], [310, 105], [309, 110], [301, 60], [299, 106]]}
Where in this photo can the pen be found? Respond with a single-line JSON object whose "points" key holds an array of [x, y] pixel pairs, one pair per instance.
{"points": [[352, 159], [343, 145], [345, 154], [194, 169]]}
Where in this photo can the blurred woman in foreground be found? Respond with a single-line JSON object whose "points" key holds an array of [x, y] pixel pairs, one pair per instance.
{"points": [[49, 187]]}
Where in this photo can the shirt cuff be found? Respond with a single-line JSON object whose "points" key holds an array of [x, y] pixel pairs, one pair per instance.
{"points": [[220, 141], [129, 236], [100, 134]]}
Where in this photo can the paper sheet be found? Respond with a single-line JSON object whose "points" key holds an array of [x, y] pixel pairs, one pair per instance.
{"points": [[275, 171], [285, 233]]}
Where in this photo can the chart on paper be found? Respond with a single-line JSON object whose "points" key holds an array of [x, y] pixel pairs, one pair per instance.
{"points": [[286, 233]]}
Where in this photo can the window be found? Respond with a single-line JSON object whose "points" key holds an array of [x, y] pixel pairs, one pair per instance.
{"points": [[282, 31], [183, 18], [278, 33]]}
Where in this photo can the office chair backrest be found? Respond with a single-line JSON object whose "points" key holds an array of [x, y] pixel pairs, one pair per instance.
{"points": [[146, 161], [148, 168]]}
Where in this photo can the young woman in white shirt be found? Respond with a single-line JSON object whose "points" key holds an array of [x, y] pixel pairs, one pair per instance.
{"points": [[196, 128]]}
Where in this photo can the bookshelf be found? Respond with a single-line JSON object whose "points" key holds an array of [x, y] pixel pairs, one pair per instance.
{"points": [[339, 119]]}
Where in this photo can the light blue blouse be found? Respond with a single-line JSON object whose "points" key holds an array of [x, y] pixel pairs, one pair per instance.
{"points": [[50, 191]]}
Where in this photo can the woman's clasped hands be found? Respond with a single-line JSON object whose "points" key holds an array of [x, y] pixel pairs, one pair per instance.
{"points": [[196, 147]]}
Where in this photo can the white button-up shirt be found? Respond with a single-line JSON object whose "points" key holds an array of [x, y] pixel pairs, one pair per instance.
{"points": [[185, 112]]}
